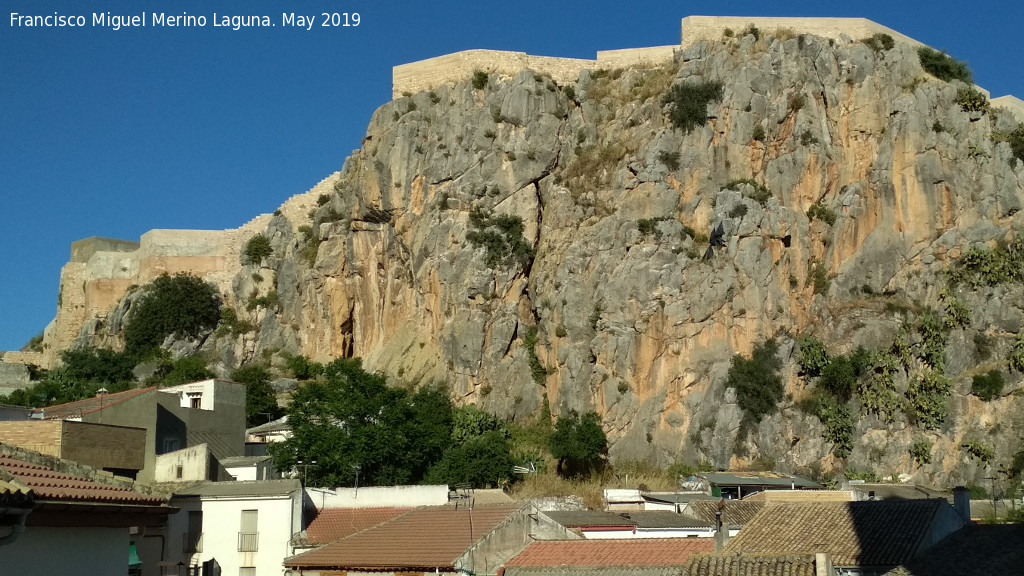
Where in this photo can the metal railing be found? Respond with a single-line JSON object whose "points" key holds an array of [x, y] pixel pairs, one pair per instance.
{"points": [[192, 542], [248, 541]]}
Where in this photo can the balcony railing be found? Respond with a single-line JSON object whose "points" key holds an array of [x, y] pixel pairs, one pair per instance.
{"points": [[248, 541], [192, 542]]}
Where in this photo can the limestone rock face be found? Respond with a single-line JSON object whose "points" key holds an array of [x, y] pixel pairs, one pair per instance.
{"points": [[627, 313]]}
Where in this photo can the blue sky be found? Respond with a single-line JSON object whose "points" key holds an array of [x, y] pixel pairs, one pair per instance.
{"points": [[113, 133]]}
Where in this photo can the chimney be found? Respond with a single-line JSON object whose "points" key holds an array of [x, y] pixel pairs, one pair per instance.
{"points": [[721, 532], [823, 565], [962, 502]]}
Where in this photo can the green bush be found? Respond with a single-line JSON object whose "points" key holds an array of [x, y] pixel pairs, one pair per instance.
{"points": [[987, 386], [979, 450], [1016, 140], [990, 267], [819, 211], [184, 370], [260, 401], [839, 378], [648, 226], [943, 67], [820, 279], [579, 444], [838, 427], [483, 461], [182, 306], [757, 382], [921, 451], [971, 100], [303, 368], [97, 365], [537, 370], [958, 315], [480, 79], [1017, 354], [669, 159], [738, 211], [256, 250], [926, 399], [813, 356], [879, 42], [934, 337], [689, 103], [758, 134], [502, 238]]}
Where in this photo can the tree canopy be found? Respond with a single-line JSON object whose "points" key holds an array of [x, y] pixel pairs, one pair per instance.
{"points": [[579, 444], [184, 306], [260, 401], [351, 423]]}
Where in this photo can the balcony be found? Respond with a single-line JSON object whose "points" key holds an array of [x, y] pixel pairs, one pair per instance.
{"points": [[192, 542], [248, 541]]}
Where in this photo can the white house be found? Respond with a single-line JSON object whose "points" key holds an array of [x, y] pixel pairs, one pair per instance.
{"points": [[246, 527]]}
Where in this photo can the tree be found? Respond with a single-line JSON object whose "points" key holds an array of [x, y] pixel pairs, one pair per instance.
{"points": [[352, 423], [182, 306], [481, 461], [256, 250], [187, 369], [579, 444], [98, 365], [757, 382], [260, 401]]}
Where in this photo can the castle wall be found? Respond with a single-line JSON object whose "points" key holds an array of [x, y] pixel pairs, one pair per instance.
{"points": [[697, 28], [1012, 103]]}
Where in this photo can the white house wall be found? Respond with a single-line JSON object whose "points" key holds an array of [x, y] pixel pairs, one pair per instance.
{"points": [[278, 520], [67, 552], [379, 497]]}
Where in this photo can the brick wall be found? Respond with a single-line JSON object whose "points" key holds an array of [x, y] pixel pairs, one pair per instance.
{"points": [[37, 435], [104, 446], [95, 445]]}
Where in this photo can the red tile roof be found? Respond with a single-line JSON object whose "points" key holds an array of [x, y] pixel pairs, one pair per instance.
{"points": [[604, 553], [90, 405], [335, 524], [46, 485], [424, 539]]}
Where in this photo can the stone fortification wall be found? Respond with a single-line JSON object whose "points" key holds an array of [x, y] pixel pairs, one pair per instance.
{"points": [[102, 270], [427, 74], [432, 72], [24, 358], [82, 250], [636, 57], [697, 28], [1013, 104]]}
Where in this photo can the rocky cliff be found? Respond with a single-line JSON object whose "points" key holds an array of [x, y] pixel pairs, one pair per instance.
{"points": [[847, 181]]}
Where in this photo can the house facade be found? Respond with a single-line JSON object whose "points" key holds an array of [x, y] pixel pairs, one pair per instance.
{"points": [[245, 528], [59, 517], [208, 412]]}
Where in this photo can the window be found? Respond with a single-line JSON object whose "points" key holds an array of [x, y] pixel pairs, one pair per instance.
{"points": [[179, 471], [195, 401], [249, 536], [193, 539]]}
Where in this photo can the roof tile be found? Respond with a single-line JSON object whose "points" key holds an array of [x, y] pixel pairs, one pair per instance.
{"points": [[425, 538], [335, 524], [883, 533], [729, 565], [607, 553], [48, 485], [90, 405], [736, 513]]}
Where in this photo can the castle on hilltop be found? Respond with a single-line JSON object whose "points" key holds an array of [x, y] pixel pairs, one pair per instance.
{"points": [[450, 68]]}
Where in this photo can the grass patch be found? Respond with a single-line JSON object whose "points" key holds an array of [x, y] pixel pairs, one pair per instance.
{"points": [[944, 67]]}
